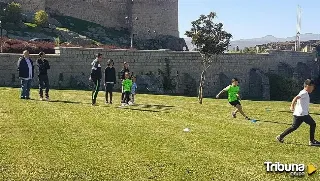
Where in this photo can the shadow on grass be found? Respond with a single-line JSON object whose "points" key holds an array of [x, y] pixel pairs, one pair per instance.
{"points": [[59, 101], [149, 108], [274, 122], [152, 106]]}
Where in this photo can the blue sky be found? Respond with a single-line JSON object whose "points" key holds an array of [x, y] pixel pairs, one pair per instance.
{"points": [[253, 18]]}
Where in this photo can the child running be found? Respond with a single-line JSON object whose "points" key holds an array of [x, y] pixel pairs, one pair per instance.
{"points": [[126, 86], [234, 97], [300, 108]]}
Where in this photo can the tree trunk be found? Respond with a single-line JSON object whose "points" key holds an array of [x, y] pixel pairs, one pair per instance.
{"points": [[200, 96]]}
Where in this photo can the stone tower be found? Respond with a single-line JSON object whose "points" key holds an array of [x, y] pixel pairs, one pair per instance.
{"points": [[156, 17]]}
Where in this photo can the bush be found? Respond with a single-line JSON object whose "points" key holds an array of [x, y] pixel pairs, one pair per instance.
{"points": [[41, 18], [283, 89], [18, 46], [13, 13]]}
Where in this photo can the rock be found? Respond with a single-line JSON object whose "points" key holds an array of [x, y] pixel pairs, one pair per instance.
{"points": [[28, 17], [53, 21]]}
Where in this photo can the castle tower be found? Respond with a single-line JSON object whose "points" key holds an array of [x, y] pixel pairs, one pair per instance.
{"points": [[154, 18], [29, 5]]}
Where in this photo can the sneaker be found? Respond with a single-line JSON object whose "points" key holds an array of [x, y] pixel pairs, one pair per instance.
{"points": [[28, 98], [314, 143], [130, 103], [234, 115], [41, 98], [279, 139], [107, 102], [22, 98], [126, 104], [47, 99], [247, 118], [110, 102], [93, 104]]}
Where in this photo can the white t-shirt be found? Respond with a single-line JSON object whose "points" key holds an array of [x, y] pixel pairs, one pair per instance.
{"points": [[302, 106]]}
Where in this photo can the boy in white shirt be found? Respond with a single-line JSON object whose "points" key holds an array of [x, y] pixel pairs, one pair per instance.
{"points": [[300, 108]]}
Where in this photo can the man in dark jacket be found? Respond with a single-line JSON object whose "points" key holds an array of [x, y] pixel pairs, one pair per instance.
{"points": [[26, 74], [122, 76], [109, 79], [96, 76], [43, 66]]}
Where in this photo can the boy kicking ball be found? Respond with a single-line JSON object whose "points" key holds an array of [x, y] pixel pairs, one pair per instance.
{"points": [[234, 97], [300, 108]]}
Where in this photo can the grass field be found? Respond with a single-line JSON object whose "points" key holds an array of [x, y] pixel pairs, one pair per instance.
{"points": [[68, 139]]}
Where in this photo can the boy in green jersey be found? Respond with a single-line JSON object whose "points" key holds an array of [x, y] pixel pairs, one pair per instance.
{"points": [[234, 97], [126, 85]]}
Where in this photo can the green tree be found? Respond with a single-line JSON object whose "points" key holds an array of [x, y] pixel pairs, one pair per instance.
{"points": [[41, 18], [13, 13], [210, 39]]}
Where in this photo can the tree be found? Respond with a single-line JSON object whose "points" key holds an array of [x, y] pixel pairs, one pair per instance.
{"points": [[13, 13], [41, 17], [211, 40]]}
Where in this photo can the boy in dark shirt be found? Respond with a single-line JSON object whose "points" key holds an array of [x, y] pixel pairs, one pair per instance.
{"points": [[43, 66], [109, 79], [96, 76]]}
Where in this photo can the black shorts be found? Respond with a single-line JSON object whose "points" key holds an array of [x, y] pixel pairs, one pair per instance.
{"points": [[235, 103], [109, 87]]}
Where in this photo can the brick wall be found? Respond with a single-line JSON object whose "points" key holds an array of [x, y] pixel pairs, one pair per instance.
{"points": [[71, 68]]}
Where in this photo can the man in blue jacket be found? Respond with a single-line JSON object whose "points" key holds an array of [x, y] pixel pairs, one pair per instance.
{"points": [[26, 74]]}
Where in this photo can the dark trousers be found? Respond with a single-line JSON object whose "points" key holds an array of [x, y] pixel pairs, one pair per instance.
{"points": [[95, 90], [126, 97], [109, 91], [25, 88], [43, 84], [297, 121]]}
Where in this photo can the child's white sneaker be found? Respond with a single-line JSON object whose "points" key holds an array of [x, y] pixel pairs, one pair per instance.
{"points": [[130, 103]]}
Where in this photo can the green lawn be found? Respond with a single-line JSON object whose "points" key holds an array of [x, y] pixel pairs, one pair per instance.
{"points": [[68, 139]]}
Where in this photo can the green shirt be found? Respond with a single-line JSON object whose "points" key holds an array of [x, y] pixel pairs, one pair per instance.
{"points": [[232, 92], [127, 84]]}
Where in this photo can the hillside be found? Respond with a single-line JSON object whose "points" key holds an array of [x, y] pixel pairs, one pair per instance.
{"points": [[68, 139], [80, 32]]}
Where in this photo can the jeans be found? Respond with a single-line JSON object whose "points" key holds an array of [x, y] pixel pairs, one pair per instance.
{"points": [[25, 88], [109, 90], [297, 121], [126, 98], [43, 84]]}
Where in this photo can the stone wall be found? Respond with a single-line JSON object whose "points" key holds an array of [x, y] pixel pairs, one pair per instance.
{"points": [[29, 5], [71, 69], [110, 13]]}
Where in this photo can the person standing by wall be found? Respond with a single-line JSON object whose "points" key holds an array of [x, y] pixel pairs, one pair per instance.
{"points": [[26, 74], [96, 76], [109, 79], [43, 66]]}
